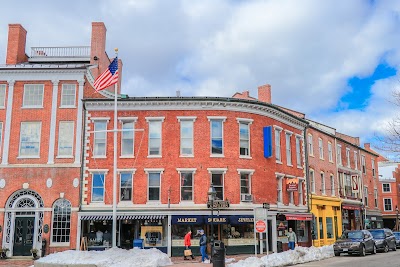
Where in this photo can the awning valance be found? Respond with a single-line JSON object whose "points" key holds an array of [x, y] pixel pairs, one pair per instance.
{"points": [[96, 217], [122, 217], [299, 217]]}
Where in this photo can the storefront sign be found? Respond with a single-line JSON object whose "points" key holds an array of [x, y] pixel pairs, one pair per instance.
{"points": [[298, 217], [217, 219], [354, 183], [218, 204], [350, 207], [292, 184], [241, 219], [187, 219]]}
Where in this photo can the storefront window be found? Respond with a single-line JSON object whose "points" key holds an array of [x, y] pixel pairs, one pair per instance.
{"points": [[321, 227], [301, 231], [314, 228], [329, 227]]}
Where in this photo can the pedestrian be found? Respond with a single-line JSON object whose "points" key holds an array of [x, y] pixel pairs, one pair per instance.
{"points": [[292, 239], [203, 246], [188, 236]]}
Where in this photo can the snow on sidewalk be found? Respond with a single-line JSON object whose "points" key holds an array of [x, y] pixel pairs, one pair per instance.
{"points": [[114, 257], [290, 257]]}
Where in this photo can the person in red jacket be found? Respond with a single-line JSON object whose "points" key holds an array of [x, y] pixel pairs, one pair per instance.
{"points": [[187, 243]]}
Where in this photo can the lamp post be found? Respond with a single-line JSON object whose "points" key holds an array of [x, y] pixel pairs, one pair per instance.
{"points": [[211, 196], [397, 218]]}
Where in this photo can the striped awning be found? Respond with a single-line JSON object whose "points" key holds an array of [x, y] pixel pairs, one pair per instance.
{"points": [[122, 217]]}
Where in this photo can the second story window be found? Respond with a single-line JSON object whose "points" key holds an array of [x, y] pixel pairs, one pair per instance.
{"points": [[298, 152], [339, 155], [332, 184], [98, 187], [2, 95], [387, 203], [33, 96], [348, 157], [278, 154], [355, 160], [364, 169], [217, 136], [186, 185], [125, 186], [312, 180], [244, 138], [366, 196], [100, 138], [217, 179], [320, 148], [373, 167], [186, 131], [127, 139], [330, 152], [376, 197], [301, 195], [154, 186], [155, 133], [68, 95], [288, 149], [310, 145], [245, 184], [30, 139], [279, 180], [386, 188], [65, 138], [323, 191]]}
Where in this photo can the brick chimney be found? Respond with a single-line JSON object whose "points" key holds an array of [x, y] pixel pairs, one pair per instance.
{"points": [[98, 47], [367, 146], [264, 93], [16, 44]]}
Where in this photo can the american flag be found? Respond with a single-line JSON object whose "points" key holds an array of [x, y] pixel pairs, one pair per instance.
{"points": [[108, 77]]}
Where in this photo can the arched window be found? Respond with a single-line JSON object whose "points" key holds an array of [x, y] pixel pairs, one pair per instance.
{"points": [[61, 221]]}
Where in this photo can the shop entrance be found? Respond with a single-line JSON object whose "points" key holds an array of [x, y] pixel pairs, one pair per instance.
{"points": [[23, 235]]}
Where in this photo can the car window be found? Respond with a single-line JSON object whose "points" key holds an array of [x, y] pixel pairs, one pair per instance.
{"points": [[378, 234], [397, 235], [352, 235]]}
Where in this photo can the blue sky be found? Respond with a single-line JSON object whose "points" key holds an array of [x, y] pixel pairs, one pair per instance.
{"points": [[336, 61]]}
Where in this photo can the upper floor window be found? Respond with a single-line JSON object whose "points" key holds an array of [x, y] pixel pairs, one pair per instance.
{"points": [[65, 138], [30, 139], [127, 138], [68, 95], [278, 154], [355, 160], [323, 191], [98, 183], [386, 188], [125, 186], [155, 133], [301, 195], [217, 179], [1, 134], [330, 152], [154, 185], [279, 188], [33, 95], [298, 151], [244, 137], [2, 95], [320, 148], [312, 179], [376, 197], [373, 167], [364, 169], [187, 185], [310, 145], [387, 202], [348, 186], [366, 196], [339, 155], [187, 125], [288, 148], [61, 221], [332, 184], [100, 138], [348, 157], [245, 183], [217, 136]]}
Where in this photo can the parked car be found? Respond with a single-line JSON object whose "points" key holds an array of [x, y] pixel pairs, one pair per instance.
{"points": [[397, 235], [355, 242], [384, 239]]}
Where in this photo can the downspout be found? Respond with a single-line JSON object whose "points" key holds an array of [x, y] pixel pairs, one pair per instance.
{"points": [[309, 199], [82, 155]]}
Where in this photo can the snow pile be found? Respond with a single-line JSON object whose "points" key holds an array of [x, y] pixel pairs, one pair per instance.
{"points": [[114, 257], [290, 257]]}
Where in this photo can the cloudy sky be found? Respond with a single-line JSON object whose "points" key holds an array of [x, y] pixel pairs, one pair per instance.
{"points": [[336, 61]]}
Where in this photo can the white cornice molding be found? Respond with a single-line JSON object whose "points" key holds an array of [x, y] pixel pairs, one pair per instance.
{"points": [[42, 74], [206, 105]]}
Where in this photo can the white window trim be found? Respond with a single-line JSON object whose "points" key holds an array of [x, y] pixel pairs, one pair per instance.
{"points": [[222, 119], [310, 145], [390, 188], [120, 172], [330, 153], [62, 91], [217, 171], [94, 120], [301, 183], [333, 188], [148, 120], [180, 171], [323, 183], [248, 122], [40, 141], [391, 204], [24, 106], [312, 185], [107, 119], [277, 132], [73, 140], [321, 148], [180, 119], [339, 155], [154, 170], [3, 88], [122, 120], [366, 196], [300, 139], [279, 178], [93, 172], [288, 134], [60, 244], [348, 157]]}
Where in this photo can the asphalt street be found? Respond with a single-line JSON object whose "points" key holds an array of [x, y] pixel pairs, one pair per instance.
{"points": [[391, 259]]}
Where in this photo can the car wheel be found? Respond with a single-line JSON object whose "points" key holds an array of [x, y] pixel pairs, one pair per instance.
{"points": [[337, 254], [374, 250], [386, 248], [362, 251]]}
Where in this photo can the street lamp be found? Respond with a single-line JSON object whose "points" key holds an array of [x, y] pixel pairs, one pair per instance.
{"points": [[397, 218], [211, 197]]}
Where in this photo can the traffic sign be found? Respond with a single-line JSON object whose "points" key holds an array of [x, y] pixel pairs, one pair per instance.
{"points": [[260, 226]]}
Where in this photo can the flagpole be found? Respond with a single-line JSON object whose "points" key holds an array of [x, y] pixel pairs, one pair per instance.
{"points": [[114, 213]]}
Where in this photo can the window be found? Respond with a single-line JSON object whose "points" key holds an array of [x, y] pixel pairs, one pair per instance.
{"points": [[321, 228], [127, 139], [386, 188], [355, 160], [154, 137], [65, 138], [278, 145], [61, 221], [339, 155], [298, 152], [1, 134], [291, 197], [30, 139], [288, 149], [330, 152], [301, 196], [2, 95], [312, 179], [126, 186], [376, 197], [244, 136], [310, 145], [98, 187], [33, 95], [348, 187], [332, 184], [68, 95], [323, 183], [329, 227], [366, 196], [245, 183], [348, 157], [279, 189], [217, 140], [320, 148], [186, 137], [154, 186], [387, 204], [373, 167], [186, 186], [100, 138], [364, 170], [217, 179]]}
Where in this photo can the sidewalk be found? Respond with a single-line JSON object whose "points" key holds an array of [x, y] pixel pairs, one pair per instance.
{"points": [[178, 261]]}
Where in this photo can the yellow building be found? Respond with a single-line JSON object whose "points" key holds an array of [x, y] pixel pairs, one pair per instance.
{"points": [[327, 219]]}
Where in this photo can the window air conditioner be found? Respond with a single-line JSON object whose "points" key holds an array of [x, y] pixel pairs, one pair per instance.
{"points": [[246, 197]]}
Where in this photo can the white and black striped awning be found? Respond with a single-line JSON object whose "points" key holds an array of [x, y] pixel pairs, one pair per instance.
{"points": [[122, 217]]}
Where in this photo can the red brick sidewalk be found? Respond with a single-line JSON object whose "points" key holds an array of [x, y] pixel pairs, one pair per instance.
{"points": [[16, 263]]}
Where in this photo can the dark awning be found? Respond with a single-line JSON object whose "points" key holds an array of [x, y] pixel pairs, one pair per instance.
{"points": [[241, 219], [221, 219], [187, 219]]}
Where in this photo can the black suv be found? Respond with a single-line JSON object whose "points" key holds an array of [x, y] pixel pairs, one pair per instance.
{"points": [[384, 239], [355, 242]]}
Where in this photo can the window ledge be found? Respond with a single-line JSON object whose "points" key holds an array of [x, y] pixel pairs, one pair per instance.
{"points": [[64, 157], [99, 157], [279, 162], [154, 156], [186, 203], [58, 245], [290, 165], [217, 156], [31, 107], [245, 157], [186, 156], [67, 107], [127, 157], [299, 167], [28, 157]]}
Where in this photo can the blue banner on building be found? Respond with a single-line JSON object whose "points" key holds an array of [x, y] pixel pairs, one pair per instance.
{"points": [[241, 219], [221, 219], [187, 219]]}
